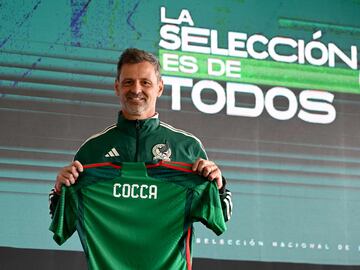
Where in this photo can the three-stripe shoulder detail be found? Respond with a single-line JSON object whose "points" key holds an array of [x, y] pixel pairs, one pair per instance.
{"points": [[227, 202], [99, 134], [188, 134]]}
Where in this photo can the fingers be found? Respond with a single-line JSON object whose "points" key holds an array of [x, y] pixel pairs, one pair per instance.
{"points": [[196, 164], [216, 176], [74, 174], [68, 175], [203, 166], [209, 170], [78, 166]]}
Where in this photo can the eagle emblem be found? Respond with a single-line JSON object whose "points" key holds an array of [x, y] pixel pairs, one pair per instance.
{"points": [[161, 152]]}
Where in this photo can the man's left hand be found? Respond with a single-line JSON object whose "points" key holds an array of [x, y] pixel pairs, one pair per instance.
{"points": [[209, 170]]}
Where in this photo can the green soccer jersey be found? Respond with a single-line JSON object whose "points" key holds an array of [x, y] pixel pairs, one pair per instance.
{"points": [[136, 215]]}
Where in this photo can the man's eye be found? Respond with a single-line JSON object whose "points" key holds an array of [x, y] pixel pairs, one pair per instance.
{"points": [[126, 83], [146, 83]]}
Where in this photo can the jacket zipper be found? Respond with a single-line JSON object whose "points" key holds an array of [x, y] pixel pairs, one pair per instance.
{"points": [[138, 127]]}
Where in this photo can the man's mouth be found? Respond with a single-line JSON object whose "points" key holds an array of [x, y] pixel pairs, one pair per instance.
{"points": [[136, 99]]}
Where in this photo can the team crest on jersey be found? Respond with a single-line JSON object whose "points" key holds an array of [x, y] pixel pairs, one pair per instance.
{"points": [[162, 152]]}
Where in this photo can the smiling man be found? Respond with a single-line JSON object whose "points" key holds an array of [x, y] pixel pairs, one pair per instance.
{"points": [[138, 88], [140, 137]]}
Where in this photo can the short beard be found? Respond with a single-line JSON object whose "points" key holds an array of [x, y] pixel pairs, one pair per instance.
{"points": [[134, 109]]}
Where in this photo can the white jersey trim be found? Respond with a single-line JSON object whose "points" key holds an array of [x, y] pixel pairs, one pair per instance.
{"points": [[184, 133], [229, 205], [98, 134]]}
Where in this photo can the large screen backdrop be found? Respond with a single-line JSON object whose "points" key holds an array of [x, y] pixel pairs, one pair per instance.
{"points": [[270, 87]]}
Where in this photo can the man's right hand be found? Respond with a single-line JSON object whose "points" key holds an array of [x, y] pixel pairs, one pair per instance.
{"points": [[68, 175]]}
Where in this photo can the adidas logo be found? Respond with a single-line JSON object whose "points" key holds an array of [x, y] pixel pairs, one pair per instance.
{"points": [[112, 153]]}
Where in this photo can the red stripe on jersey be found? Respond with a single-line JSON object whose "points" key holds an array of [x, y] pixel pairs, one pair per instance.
{"points": [[103, 164], [159, 164], [168, 164], [176, 168], [179, 163], [154, 165], [188, 251]]}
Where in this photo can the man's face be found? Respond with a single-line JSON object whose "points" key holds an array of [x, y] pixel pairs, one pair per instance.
{"points": [[138, 88]]}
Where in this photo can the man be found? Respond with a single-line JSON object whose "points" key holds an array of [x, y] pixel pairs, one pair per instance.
{"points": [[139, 135]]}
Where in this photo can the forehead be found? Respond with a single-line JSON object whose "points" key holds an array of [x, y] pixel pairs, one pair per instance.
{"points": [[138, 70]]}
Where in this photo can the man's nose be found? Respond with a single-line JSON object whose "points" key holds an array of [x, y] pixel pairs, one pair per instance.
{"points": [[136, 88]]}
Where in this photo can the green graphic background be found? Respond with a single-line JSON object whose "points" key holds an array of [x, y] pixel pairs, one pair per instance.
{"points": [[292, 182], [277, 74]]}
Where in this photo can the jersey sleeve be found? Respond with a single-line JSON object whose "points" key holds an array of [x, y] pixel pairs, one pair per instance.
{"points": [[79, 156], [225, 194], [206, 207], [200, 150], [63, 224], [53, 196]]}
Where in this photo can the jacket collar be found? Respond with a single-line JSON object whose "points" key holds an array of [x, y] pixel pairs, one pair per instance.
{"points": [[145, 125]]}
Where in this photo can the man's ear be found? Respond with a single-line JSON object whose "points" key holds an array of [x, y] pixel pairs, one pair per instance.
{"points": [[117, 87], [161, 87]]}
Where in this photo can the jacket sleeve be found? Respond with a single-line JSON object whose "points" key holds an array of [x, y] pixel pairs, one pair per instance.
{"points": [[226, 201], [53, 202]]}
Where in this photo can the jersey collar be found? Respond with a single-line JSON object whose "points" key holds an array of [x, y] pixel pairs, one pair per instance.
{"points": [[146, 125]]}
